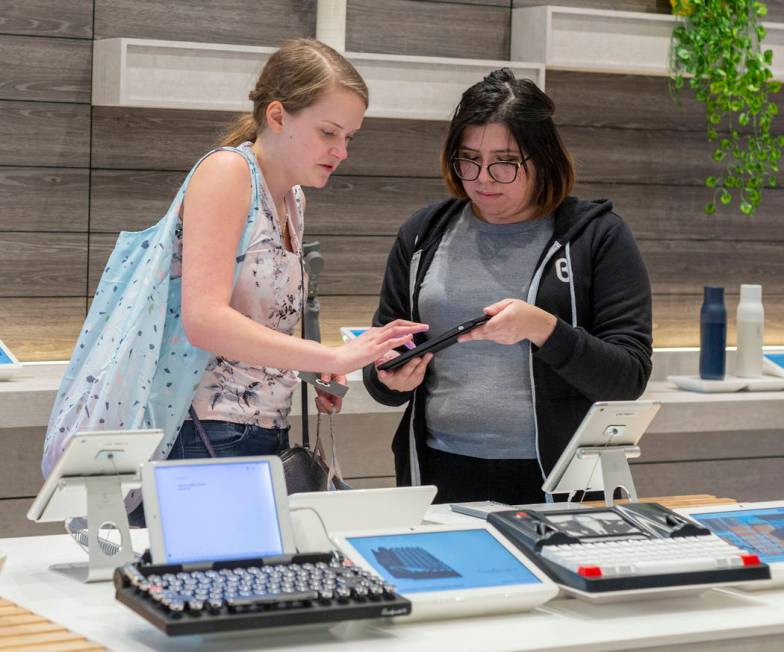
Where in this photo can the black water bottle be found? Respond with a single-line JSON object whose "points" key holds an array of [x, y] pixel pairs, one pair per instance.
{"points": [[713, 334]]}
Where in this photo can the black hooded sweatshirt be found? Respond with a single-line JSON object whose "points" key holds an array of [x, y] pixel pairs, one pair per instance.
{"points": [[590, 276]]}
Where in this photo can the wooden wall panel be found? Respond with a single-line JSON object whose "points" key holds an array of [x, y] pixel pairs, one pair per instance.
{"points": [[354, 205], [42, 264], [162, 139], [249, 22], [44, 134], [744, 480], [360, 205], [43, 199], [676, 317], [46, 69], [355, 264], [677, 212], [72, 19], [41, 328], [130, 200], [648, 6], [465, 31], [153, 139]]}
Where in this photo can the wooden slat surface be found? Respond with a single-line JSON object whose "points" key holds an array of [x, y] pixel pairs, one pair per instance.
{"points": [[248, 22], [673, 502], [42, 264], [173, 140], [44, 134], [72, 19], [466, 31], [43, 199], [648, 6], [45, 69], [39, 328], [364, 205], [165, 139], [21, 629], [677, 212]]}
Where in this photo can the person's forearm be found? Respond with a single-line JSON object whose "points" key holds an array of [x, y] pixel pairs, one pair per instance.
{"points": [[229, 334]]}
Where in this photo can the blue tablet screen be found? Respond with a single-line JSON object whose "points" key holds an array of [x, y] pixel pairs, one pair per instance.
{"points": [[760, 531], [778, 358], [420, 562], [218, 511], [4, 358]]}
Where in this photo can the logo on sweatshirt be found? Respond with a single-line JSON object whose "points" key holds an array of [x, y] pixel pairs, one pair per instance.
{"points": [[562, 270]]}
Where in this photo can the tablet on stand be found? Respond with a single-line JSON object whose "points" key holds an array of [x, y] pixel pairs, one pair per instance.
{"points": [[90, 479], [597, 456]]}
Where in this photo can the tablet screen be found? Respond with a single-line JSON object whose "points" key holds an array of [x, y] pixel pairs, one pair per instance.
{"points": [[419, 562], [4, 357], [759, 531], [219, 511]]}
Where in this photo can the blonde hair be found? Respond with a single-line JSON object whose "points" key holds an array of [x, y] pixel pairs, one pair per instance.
{"points": [[296, 75]]}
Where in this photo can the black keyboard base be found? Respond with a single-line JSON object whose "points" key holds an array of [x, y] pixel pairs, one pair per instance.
{"points": [[256, 617]]}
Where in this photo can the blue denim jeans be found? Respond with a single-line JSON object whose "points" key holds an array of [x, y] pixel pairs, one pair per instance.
{"points": [[228, 440]]}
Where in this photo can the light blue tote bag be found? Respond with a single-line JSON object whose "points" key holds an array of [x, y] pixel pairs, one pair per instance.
{"points": [[133, 366]]}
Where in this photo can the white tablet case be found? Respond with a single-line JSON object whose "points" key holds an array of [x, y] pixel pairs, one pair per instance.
{"points": [[357, 509], [509, 598], [111, 452]]}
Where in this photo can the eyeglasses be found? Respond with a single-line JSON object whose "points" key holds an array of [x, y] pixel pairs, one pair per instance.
{"points": [[500, 171]]}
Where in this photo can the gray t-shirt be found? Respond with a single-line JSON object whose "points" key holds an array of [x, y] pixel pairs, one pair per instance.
{"points": [[479, 393]]}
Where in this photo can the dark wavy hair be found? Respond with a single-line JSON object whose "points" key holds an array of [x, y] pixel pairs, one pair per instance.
{"points": [[527, 112]]}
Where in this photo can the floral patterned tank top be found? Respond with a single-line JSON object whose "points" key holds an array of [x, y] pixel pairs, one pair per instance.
{"points": [[269, 290]]}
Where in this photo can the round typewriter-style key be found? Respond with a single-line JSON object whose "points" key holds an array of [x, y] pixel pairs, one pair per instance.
{"points": [[214, 605], [360, 593], [176, 607], [326, 596], [154, 579], [321, 565], [343, 594], [195, 607]]}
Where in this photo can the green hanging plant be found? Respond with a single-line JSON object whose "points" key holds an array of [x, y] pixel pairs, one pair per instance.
{"points": [[716, 46]]}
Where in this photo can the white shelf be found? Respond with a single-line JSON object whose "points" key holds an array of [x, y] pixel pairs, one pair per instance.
{"points": [[180, 75], [599, 40]]}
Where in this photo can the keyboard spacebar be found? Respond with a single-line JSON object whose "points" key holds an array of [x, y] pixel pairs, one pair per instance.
{"points": [[676, 565], [271, 598]]}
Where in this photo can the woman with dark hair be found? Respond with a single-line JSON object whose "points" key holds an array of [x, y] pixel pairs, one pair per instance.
{"points": [[562, 279]]}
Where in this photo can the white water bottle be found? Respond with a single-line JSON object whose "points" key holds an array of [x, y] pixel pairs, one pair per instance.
{"points": [[749, 327]]}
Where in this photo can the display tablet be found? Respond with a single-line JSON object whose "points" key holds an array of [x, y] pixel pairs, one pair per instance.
{"points": [[758, 528], [609, 423], [110, 452], [450, 570], [9, 365], [216, 509], [434, 344]]}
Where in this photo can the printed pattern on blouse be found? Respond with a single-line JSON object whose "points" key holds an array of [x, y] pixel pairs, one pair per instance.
{"points": [[269, 290]]}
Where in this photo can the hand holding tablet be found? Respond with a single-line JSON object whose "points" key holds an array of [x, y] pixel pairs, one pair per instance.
{"points": [[434, 344]]}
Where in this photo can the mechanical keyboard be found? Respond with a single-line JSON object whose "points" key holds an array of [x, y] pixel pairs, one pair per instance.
{"points": [[631, 547], [256, 593]]}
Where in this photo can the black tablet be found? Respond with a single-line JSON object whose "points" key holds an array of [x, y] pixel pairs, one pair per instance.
{"points": [[434, 344]]}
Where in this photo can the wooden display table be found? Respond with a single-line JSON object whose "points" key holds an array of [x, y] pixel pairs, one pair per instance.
{"points": [[673, 502], [21, 629]]}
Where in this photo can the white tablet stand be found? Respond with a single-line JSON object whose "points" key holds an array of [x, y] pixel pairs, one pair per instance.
{"points": [[105, 506], [597, 456], [614, 463], [90, 478]]}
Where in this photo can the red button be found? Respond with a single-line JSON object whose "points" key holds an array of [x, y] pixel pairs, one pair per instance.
{"points": [[750, 560], [521, 514], [589, 571]]}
